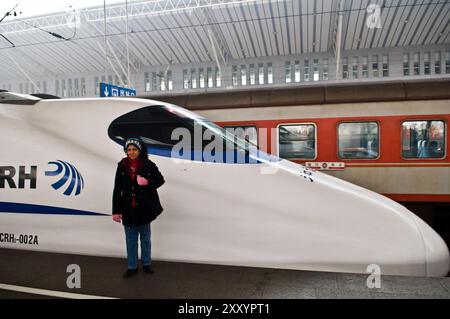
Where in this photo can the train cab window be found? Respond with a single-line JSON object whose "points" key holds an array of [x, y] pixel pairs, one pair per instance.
{"points": [[153, 124], [423, 139], [247, 133], [358, 140], [297, 141], [156, 126]]}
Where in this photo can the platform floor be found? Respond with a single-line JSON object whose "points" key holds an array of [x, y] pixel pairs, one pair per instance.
{"points": [[102, 276]]}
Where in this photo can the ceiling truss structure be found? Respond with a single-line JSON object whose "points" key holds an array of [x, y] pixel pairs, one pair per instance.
{"points": [[166, 32]]}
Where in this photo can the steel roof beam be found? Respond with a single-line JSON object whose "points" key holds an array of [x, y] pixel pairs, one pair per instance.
{"points": [[157, 7], [338, 40]]}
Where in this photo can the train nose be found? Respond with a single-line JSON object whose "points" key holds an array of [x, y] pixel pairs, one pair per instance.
{"points": [[436, 251]]}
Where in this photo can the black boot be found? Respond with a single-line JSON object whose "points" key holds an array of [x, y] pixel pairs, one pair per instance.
{"points": [[148, 269], [130, 272]]}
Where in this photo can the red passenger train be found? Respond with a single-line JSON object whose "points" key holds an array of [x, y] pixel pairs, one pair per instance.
{"points": [[398, 149], [391, 138]]}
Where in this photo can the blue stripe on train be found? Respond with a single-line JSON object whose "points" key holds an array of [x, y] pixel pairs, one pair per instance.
{"points": [[227, 157], [230, 157], [21, 208]]}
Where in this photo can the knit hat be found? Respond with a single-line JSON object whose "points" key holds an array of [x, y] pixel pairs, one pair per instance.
{"points": [[134, 141]]}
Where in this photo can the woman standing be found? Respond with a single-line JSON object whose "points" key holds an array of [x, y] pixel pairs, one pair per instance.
{"points": [[136, 203]]}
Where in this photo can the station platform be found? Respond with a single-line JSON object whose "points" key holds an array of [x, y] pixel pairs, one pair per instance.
{"points": [[101, 277]]}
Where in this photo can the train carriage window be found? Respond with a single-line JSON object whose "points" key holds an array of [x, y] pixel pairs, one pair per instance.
{"points": [[297, 141], [358, 140], [423, 139]]}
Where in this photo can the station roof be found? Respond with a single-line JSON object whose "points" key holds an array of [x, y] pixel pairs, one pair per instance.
{"points": [[163, 32]]}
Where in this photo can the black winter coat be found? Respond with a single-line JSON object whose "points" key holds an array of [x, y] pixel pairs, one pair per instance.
{"points": [[148, 206]]}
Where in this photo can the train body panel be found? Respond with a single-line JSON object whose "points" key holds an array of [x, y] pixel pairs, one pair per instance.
{"points": [[266, 214], [410, 180]]}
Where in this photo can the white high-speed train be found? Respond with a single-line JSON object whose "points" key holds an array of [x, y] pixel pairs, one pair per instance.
{"points": [[57, 168]]}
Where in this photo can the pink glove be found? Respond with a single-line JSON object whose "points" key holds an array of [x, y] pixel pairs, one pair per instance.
{"points": [[142, 181], [117, 218]]}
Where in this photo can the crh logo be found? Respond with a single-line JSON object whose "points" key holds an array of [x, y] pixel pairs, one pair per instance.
{"points": [[7, 174], [68, 175]]}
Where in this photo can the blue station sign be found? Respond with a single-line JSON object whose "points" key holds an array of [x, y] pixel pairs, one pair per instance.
{"points": [[108, 90]]}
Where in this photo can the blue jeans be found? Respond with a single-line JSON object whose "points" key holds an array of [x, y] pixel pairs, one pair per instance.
{"points": [[131, 236]]}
